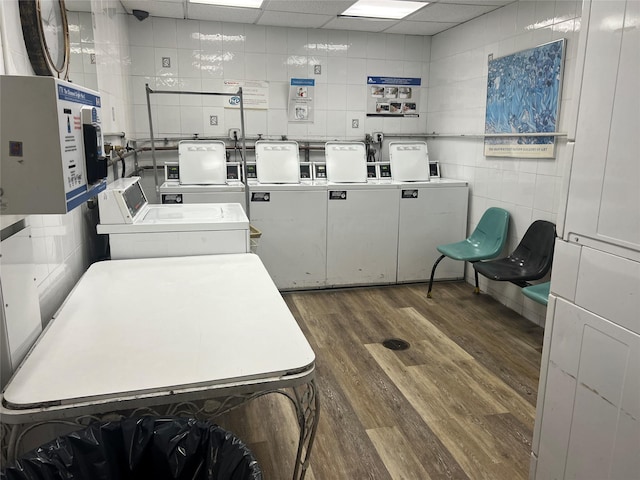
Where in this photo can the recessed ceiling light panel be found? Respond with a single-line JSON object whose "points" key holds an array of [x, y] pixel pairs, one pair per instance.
{"points": [[393, 9], [231, 3]]}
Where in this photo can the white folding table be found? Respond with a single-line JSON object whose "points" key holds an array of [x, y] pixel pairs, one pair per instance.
{"points": [[140, 333]]}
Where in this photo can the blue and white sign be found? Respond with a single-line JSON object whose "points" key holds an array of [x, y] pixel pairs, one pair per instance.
{"points": [[394, 81], [301, 99], [74, 95]]}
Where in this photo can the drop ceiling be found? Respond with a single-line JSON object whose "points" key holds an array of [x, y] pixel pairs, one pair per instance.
{"points": [[435, 17]]}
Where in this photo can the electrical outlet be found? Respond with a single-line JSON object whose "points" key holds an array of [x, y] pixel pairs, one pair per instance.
{"points": [[378, 137], [234, 134], [355, 123]]}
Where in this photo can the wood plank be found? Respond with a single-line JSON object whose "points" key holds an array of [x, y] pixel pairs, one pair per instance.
{"points": [[397, 454]]}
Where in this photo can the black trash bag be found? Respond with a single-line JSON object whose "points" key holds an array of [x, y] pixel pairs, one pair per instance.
{"points": [[140, 448]]}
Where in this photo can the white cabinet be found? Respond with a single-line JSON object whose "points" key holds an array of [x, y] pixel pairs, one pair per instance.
{"points": [[604, 193], [589, 420], [430, 215], [362, 234], [293, 223]]}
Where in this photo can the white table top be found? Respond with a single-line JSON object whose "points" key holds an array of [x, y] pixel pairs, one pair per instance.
{"points": [[154, 325]]}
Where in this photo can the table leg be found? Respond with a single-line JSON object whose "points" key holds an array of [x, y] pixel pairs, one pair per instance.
{"points": [[307, 403], [9, 443]]}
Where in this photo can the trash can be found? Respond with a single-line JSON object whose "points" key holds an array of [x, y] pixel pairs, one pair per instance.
{"points": [[140, 448]]}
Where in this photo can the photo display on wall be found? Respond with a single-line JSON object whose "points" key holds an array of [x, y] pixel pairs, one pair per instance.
{"points": [[393, 96], [523, 96]]}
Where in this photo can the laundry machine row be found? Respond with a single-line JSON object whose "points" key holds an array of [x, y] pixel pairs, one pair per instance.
{"points": [[349, 226], [344, 221]]}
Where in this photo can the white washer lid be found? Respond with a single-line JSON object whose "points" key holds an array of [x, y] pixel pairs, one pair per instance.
{"points": [[346, 162], [409, 161], [202, 162], [184, 218], [277, 162]]}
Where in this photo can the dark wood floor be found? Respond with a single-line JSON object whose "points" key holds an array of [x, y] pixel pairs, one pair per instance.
{"points": [[459, 403]]}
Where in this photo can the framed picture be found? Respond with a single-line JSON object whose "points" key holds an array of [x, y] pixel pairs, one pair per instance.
{"points": [[523, 96]]}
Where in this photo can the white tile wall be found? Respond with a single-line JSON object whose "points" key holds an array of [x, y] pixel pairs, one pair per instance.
{"points": [[528, 189], [204, 50]]}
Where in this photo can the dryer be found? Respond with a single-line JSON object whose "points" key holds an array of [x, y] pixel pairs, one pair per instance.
{"points": [[137, 229], [362, 229], [432, 212], [202, 175], [290, 210]]}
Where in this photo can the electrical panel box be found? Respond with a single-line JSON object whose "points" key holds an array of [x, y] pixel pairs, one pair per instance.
{"points": [[50, 145]]}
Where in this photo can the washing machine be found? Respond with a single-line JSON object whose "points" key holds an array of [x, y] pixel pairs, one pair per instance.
{"points": [[137, 229], [433, 211], [290, 210], [202, 175], [362, 211]]}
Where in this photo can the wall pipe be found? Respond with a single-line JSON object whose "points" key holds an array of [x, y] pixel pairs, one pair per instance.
{"points": [[149, 92], [244, 157], [486, 135]]}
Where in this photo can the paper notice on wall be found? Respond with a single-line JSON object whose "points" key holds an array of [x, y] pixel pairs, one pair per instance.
{"points": [[393, 96], [255, 94], [301, 95]]}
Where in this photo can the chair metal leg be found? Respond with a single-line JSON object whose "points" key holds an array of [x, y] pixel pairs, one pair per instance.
{"points": [[433, 272], [477, 289]]}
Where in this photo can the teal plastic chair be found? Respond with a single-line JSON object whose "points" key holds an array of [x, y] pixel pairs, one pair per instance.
{"points": [[538, 293], [486, 242]]}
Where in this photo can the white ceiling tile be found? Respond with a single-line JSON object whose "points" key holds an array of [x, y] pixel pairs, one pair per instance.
{"points": [[318, 7], [419, 28], [359, 24], [157, 8], [434, 18], [289, 19], [222, 14], [449, 12], [496, 3]]}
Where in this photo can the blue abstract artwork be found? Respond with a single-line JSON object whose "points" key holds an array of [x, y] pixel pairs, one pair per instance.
{"points": [[523, 96]]}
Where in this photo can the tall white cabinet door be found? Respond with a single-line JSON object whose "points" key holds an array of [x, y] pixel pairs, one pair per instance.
{"points": [[590, 425], [604, 191], [430, 217]]}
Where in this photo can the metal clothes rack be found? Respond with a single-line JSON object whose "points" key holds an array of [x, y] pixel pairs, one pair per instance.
{"points": [[150, 92]]}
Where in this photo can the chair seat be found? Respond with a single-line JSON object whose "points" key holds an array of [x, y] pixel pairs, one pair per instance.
{"points": [[485, 242], [466, 251], [510, 270], [531, 260], [538, 293]]}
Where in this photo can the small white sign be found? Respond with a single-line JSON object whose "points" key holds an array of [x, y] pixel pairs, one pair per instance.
{"points": [[255, 94]]}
